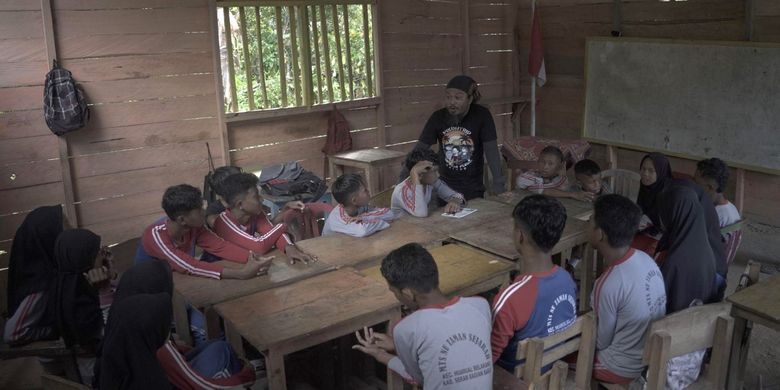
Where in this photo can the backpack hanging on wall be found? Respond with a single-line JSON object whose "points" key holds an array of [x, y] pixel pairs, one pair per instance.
{"points": [[64, 106]]}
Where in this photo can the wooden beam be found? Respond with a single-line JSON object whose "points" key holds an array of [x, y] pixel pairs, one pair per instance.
{"points": [[224, 144], [367, 47], [231, 69], [315, 30], [280, 51], [739, 197], [250, 92], [282, 3], [303, 25], [465, 26], [347, 45], [338, 51], [294, 48], [276, 113], [750, 16], [326, 48], [67, 177], [381, 114], [260, 63]]}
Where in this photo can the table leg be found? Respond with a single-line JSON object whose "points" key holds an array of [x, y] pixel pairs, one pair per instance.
{"points": [[335, 169], [212, 323], [371, 177], [274, 365], [234, 339], [586, 276], [736, 363], [181, 318], [394, 381]]}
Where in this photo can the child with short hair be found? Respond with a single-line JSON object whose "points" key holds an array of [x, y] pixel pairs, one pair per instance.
{"points": [[353, 215], [245, 224], [549, 177], [589, 184], [628, 296], [174, 237], [414, 193], [443, 344], [712, 175], [543, 299]]}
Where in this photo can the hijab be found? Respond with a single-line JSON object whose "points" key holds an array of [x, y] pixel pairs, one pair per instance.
{"points": [[139, 326], [649, 194], [689, 266], [78, 313], [32, 266]]}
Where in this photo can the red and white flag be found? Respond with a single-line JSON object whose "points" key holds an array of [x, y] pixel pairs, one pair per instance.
{"points": [[536, 57]]}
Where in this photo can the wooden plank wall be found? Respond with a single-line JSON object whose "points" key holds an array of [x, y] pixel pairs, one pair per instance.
{"points": [[567, 23], [146, 69]]}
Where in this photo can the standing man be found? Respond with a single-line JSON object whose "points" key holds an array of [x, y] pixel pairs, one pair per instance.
{"points": [[466, 135]]}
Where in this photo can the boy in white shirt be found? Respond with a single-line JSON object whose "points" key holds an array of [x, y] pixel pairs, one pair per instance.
{"points": [[712, 175], [414, 194], [353, 215]]}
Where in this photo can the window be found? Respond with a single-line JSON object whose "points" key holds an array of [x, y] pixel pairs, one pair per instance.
{"points": [[276, 56]]}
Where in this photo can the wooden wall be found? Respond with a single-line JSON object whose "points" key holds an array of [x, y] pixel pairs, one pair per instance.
{"points": [[146, 68], [567, 23]]}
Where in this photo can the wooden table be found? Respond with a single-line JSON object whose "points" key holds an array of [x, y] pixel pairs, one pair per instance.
{"points": [[369, 160], [203, 293], [758, 304], [300, 315], [341, 250], [462, 270], [574, 208], [487, 214]]}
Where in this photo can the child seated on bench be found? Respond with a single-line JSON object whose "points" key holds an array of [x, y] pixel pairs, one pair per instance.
{"points": [[414, 193], [589, 184], [628, 296], [550, 176], [245, 224], [543, 299], [712, 175], [432, 346], [353, 216], [174, 237]]}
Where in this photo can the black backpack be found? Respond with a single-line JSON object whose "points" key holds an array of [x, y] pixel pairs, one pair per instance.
{"points": [[64, 107], [289, 181]]}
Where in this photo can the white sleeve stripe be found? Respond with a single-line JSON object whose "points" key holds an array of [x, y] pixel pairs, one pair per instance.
{"points": [[190, 373], [187, 266], [240, 231], [508, 293]]}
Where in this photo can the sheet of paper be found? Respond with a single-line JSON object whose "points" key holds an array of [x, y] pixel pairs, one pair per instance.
{"points": [[460, 214]]}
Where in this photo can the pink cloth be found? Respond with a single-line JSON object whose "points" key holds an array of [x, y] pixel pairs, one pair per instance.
{"points": [[527, 148]]}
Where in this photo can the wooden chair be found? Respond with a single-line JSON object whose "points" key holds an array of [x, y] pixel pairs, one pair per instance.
{"points": [[384, 198], [739, 350], [51, 382], [690, 330], [622, 181], [733, 236], [538, 352]]}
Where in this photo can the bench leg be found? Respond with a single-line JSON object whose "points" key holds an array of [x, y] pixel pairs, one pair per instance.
{"points": [[274, 365], [181, 318], [736, 365]]}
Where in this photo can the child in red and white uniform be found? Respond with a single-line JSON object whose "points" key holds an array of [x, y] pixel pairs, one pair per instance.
{"points": [[353, 216]]}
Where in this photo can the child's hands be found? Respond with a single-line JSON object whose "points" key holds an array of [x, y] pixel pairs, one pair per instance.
{"points": [[295, 205], [418, 170], [584, 196], [380, 340], [256, 265], [452, 207], [97, 276], [373, 346], [295, 254]]}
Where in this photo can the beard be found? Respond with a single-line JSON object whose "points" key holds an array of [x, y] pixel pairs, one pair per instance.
{"points": [[456, 119]]}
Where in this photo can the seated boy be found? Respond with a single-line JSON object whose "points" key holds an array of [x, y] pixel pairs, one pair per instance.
{"points": [[542, 300], [443, 344], [589, 184], [712, 175], [245, 224], [550, 176], [353, 216], [414, 193], [629, 295], [174, 238]]}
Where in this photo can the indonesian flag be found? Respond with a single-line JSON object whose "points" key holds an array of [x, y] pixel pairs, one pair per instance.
{"points": [[536, 57]]}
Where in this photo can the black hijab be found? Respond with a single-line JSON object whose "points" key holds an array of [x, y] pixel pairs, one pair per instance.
{"points": [[649, 194], [79, 317], [32, 265], [689, 266], [139, 326], [713, 225]]}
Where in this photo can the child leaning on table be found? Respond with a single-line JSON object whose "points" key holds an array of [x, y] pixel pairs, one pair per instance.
{"points": [[353, 216], [550, 176], [414, 193], [434, 345]]}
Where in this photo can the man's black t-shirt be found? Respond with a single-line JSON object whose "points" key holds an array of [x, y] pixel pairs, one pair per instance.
{"points": [[461, 156]]}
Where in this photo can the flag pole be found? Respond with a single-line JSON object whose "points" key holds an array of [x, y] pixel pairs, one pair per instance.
{"points": [[533, 82]]}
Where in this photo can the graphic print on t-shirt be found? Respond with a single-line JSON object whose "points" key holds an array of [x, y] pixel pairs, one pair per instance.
{"points": [[561, 321], [458, 148], [466, 344]]}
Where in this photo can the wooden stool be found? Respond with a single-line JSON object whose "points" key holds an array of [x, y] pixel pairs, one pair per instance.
{"points": [[369, 160]]}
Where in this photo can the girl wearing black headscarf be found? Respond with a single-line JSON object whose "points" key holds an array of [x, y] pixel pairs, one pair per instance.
{"points": [[139, 325], [211, 365], [687, 263], [656, 174], [31, 274]]}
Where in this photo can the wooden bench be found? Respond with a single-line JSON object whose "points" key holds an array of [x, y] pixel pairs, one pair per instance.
{"points": [[369, 160]]}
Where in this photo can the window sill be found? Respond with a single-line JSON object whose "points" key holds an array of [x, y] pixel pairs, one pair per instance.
{"points": [[276, 113]]}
